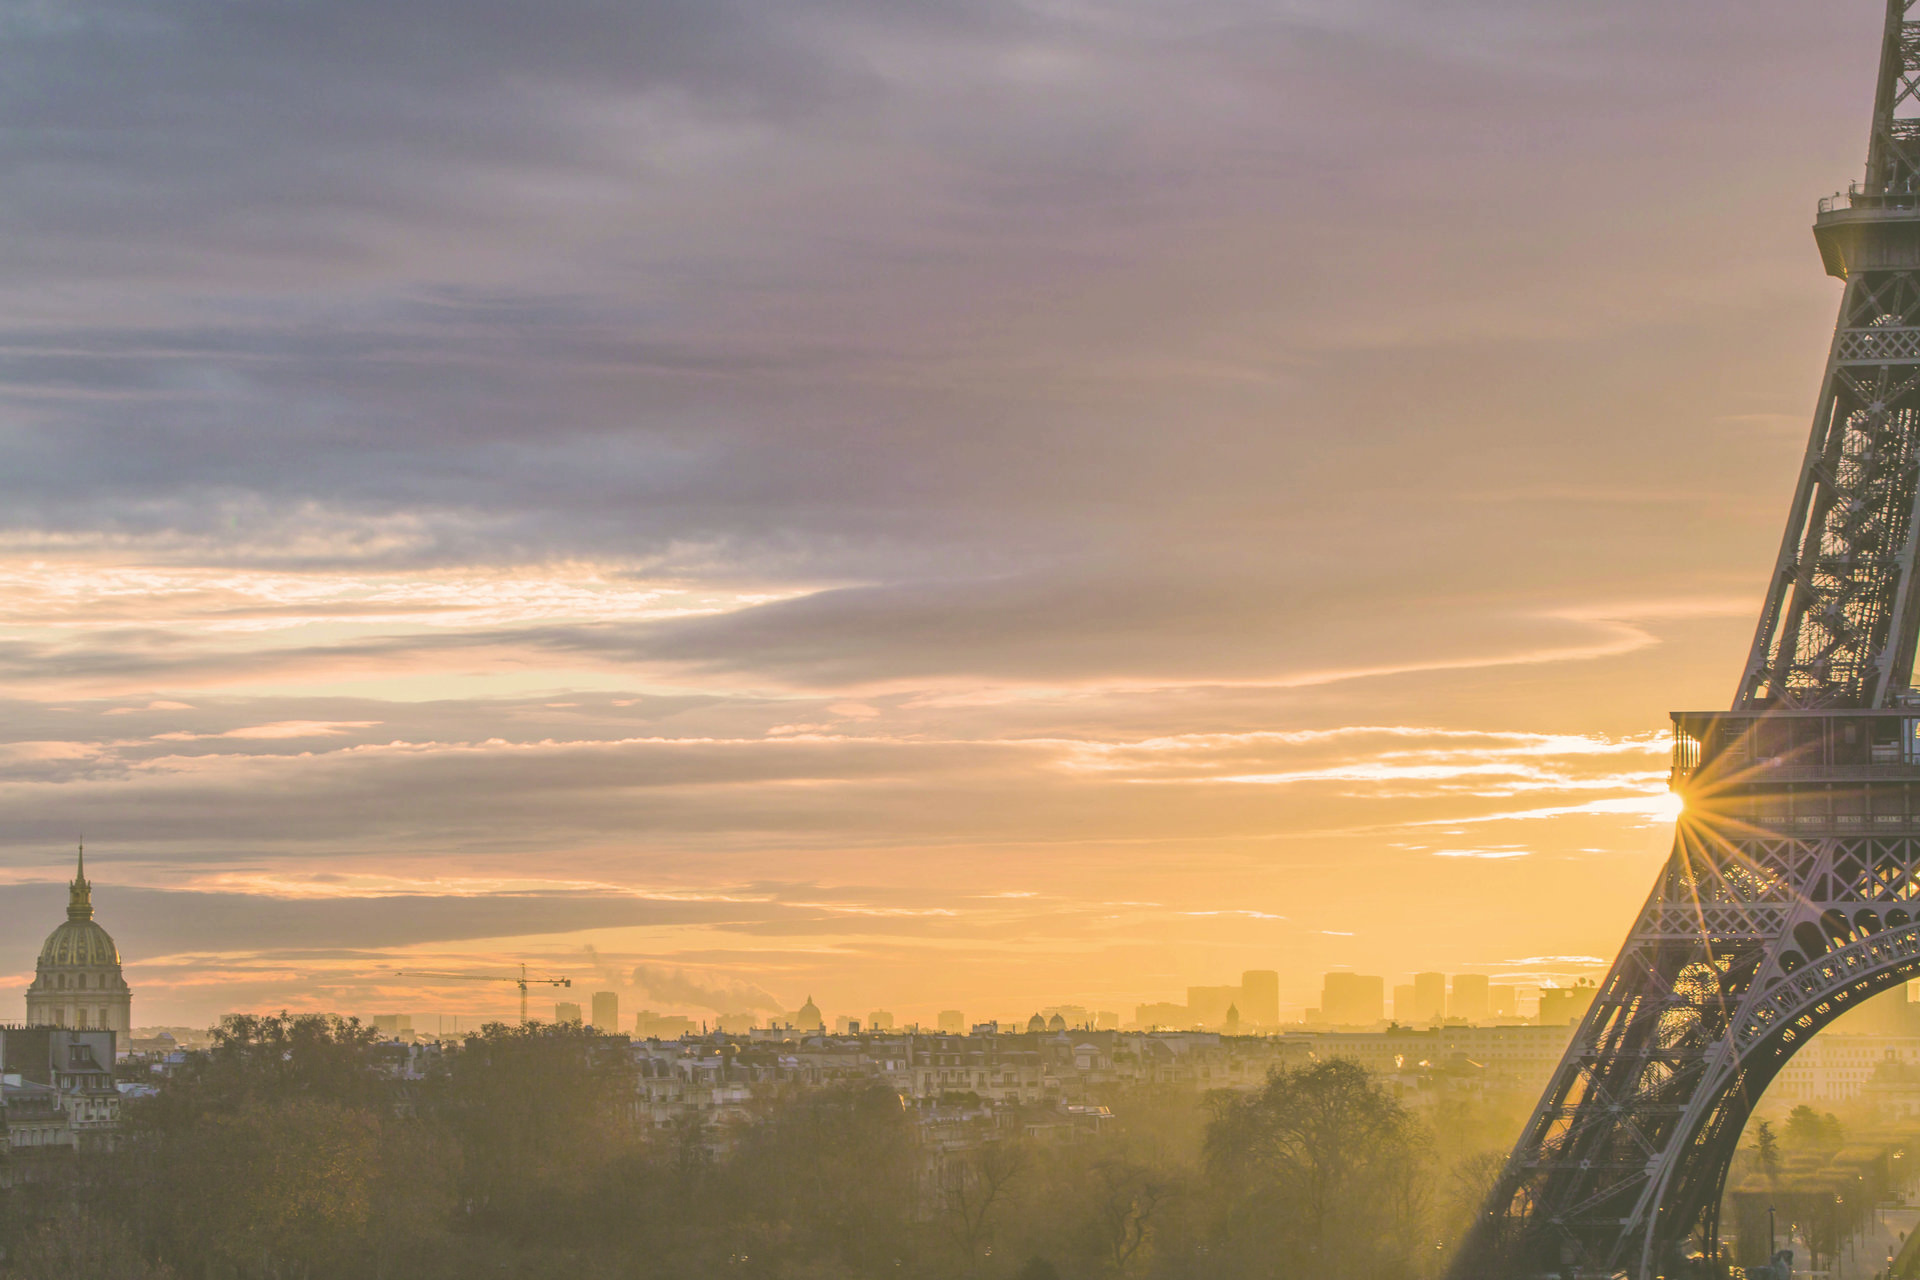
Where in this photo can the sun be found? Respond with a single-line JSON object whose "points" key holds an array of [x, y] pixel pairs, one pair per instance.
{"points": [[1666, 806]]}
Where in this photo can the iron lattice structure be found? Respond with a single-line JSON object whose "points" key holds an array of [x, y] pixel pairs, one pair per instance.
{"points": [[1793, 889]]}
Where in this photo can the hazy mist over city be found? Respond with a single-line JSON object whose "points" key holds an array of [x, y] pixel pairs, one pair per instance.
{"points": [[985, 640]]}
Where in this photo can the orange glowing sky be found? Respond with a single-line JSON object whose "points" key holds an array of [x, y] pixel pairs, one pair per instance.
{"points": [[987, 505]]}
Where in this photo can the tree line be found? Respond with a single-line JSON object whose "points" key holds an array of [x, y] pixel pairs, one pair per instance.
{"points": [[285, 1153]]}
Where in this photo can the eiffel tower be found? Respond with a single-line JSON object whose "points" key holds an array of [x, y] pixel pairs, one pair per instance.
{"points": [[1793, 890]]}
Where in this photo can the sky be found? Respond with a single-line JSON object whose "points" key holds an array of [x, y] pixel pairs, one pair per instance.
{"points": [[981, 505]]}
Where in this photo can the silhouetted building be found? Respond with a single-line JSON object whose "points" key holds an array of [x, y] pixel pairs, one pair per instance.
{"points": [[951, 1021], [392, 1024], [606, 1010], [1207, 1006], [77, 982], [1469, 1000], [58, 1088], [1164, 1013], [1074, 1015], [879, 1020], [1523, 1054], [567, 1011], [1352, 1000], [648, 1025], [1260, 997], [1562, 1005], [1429, 997], [807, 1017]]}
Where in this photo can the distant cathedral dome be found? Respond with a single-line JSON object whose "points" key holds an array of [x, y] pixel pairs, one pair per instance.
{"points": [[1057, 1023], [78, 981], [809, 1019], [1036, 1024]]}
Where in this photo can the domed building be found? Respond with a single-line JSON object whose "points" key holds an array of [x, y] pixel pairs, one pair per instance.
{"points": [[78, 982]]}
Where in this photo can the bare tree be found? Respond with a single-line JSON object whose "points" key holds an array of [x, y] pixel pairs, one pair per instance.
{"points": [[1126, 1196], [979, 1189]]}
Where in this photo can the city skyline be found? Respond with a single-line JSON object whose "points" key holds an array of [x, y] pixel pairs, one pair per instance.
{"points": [[1252, 1006], [682, 993], [874, 504]]}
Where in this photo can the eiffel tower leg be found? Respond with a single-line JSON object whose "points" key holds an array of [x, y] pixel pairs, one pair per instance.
{"points": [[1792, 895]]}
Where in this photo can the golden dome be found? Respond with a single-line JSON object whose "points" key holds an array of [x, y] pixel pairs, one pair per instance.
{"points": [[80, 942]]}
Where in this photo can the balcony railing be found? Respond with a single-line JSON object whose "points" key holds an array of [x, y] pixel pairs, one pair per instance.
{"points": [[1880, 201]]}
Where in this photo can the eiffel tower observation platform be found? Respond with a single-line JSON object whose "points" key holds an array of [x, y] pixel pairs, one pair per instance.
{"points": [[1860, 231], [1802, 831], [1723, 757]]}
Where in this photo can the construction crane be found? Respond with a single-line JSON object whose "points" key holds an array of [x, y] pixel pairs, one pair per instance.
{"points": [[523, 981]]}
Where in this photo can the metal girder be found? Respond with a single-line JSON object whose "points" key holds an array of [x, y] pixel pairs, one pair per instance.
{"points": [[1893, 158], [1627, 1151], [1841, 618], [1839, 628], [1793, 889]]}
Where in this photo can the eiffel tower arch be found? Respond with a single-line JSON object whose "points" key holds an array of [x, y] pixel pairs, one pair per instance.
{"points": [[1793, 890]]}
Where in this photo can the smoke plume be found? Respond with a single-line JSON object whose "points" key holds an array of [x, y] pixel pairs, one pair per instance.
{"points": [[678, 986]]}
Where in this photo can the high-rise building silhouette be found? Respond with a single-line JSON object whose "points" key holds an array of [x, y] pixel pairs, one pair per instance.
{"points": [[606, 1010], [1469, 998], [1429, 997], [1260, 998], [566, 1011], [1352, 1000]]}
